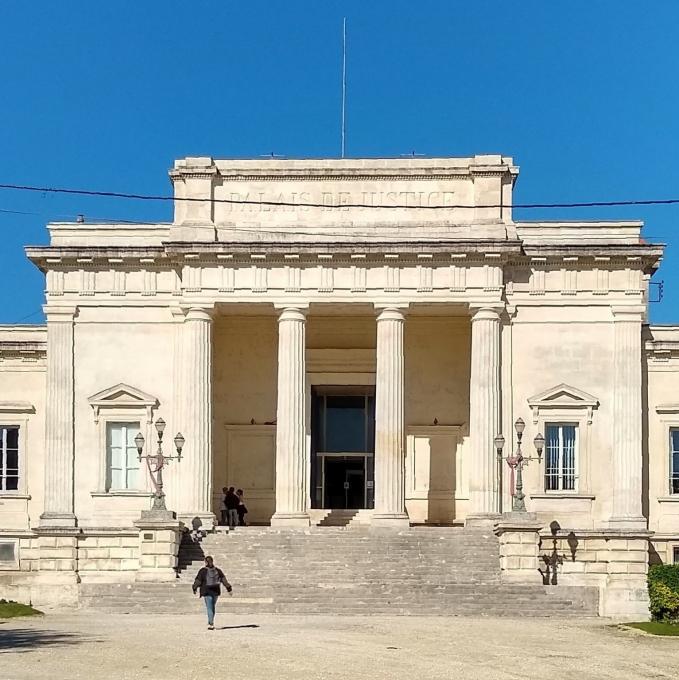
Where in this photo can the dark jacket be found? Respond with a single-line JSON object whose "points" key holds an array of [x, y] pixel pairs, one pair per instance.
{"points": [[201, 583], [231, 501]]}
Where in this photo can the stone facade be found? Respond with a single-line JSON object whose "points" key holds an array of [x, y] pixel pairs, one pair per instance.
{"points": [[281, 285]]}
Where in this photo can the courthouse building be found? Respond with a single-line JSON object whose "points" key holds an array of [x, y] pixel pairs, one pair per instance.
{"points": [[340, 335]]}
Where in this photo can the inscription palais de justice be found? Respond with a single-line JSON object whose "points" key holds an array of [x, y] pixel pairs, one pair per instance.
{"points": [[303, 201]]}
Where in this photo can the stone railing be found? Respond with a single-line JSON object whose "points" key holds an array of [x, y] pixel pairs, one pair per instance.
{"points": [[614, 560]]}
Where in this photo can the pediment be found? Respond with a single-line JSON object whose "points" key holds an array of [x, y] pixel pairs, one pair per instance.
{"points": [[563, 396], [122, 396]]}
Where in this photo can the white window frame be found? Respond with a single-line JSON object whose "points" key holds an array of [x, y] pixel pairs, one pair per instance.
{"points": [[17, 414], [122, 404], [4, 429], [673, 474], [128, 428], [576, 463], [567, 405]]}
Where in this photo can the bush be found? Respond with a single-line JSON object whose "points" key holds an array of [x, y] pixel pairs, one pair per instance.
{"points": [[663, 592]]}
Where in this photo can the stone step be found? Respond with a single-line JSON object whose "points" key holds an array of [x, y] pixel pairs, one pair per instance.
{"points": [[331, 570]]}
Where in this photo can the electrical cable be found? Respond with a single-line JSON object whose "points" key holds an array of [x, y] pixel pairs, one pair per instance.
{"points": [[152, 197]]}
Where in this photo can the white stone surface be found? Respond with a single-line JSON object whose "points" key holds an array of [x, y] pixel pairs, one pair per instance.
{"points": [[484, 412], [291, 484], [186, 314], [389, 421]]}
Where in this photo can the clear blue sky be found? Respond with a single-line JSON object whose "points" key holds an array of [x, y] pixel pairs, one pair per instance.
{"points": [[584, 96]]}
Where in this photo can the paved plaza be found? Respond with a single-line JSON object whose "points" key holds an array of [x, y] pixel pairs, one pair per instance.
{"points": [[76, 645]]}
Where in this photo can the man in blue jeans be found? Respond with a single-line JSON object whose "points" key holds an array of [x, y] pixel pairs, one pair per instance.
{"points": [[208, 581]]}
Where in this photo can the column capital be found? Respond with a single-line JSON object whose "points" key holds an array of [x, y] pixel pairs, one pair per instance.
{"points": [[60, 313], [489, 312], [292, 312], [199, 314], [390, 312], [633, 313]]}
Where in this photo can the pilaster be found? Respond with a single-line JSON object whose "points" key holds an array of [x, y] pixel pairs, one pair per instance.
{"points": [[59, 419], [390, 508], [291, 468], [627, 419]]}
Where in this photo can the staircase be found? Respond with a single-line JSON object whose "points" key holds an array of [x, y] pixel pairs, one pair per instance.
{"points": [[333, 570]]}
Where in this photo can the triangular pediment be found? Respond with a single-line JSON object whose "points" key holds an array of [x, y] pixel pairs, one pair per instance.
{"points": [[563, 395], [122, 395]]}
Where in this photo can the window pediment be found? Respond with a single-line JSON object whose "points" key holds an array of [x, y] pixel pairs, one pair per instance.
{"points": [[16, 407], [122, 396], [563, 397]]}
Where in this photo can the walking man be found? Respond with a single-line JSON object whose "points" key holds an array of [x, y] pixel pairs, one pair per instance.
{"points": [[208, 581]]}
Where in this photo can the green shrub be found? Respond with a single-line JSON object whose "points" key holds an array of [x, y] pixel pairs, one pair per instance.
{"points": [[663, 592], [10, 609]]}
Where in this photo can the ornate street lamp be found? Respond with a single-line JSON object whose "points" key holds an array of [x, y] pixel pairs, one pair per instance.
{"points": [[517, 462], [499, 443], [156, 462]]}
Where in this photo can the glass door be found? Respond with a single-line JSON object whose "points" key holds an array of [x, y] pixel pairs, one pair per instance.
{"points": [[343, 445]]}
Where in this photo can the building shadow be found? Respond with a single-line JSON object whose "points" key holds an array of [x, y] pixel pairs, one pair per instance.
{"points": [[29, 639]]}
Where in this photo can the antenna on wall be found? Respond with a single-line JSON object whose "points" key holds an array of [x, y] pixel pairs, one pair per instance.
{"points": [[344, 84]]}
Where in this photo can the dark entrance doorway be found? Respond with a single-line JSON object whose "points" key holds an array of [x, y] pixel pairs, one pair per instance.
{"points": [[345, 482], [343, 446]]}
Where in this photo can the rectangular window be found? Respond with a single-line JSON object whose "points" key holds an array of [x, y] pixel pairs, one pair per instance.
{"points": [[9, 458], [675, 555], [121, 451], [560, 457], [674, 460]]}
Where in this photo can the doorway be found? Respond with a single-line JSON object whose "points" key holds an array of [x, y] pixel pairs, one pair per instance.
{"points": [[343, 447]]}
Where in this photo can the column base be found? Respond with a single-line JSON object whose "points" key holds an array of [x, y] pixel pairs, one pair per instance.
{"points": [[481, 520], [628, 523], [58, 520], [298, 520], [397, 520]]}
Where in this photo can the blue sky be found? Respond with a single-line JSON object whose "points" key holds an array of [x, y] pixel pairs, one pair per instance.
{"points": [[582, 94]]}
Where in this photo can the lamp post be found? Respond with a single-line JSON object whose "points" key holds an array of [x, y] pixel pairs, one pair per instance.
{"points": [[499, 442], [156, 462], [517, 462]]}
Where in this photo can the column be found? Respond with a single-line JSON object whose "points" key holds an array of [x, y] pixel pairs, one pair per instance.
{"points": [[291, 467], [59, 416], [195, 469], [484, 415], [627, 418], [390, 508]]}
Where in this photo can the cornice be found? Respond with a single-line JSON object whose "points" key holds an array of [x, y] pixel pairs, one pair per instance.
{"points": [[591, 250]]}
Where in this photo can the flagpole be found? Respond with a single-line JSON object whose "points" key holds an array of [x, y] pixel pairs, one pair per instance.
{"points": [[344, 83]]}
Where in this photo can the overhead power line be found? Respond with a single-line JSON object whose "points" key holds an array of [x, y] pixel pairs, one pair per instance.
{"points": [[238, 201]]}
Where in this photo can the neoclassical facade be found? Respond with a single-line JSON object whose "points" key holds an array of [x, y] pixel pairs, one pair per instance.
{"points": [[340, 335]]}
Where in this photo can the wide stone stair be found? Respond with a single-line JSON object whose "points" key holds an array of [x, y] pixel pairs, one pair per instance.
{"points": [[333, 570]]}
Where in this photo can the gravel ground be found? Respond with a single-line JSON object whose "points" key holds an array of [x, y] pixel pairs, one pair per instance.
{"points": [[269, 647]]}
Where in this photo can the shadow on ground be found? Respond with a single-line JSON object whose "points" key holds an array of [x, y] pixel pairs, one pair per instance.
{"points": [[245, 625], [29, 639]]}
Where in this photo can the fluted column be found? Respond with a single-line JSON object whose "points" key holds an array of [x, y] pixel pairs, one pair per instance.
{"points": [[627, 419], [390, 421], [291, 468], [484, 414], [59, 425], [195, 469]]}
